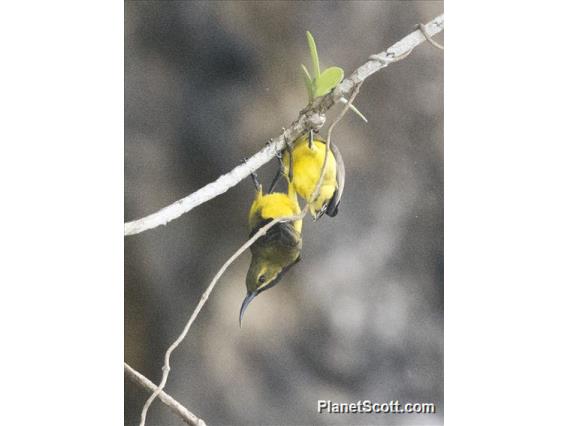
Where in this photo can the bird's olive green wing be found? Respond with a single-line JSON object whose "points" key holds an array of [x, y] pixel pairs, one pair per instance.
{"points": [[333, 205], [282, 233]]}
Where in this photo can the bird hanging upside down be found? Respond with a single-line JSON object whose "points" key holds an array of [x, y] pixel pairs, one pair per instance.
{"points": [[308, 154], [276, 252]]}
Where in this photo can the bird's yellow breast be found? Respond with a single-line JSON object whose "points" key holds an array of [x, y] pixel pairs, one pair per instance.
{"points": [[273, 206], [307, 163]]}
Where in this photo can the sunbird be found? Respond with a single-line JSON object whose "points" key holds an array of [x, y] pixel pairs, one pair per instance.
{"points": [[304, 172], [276, 252]]}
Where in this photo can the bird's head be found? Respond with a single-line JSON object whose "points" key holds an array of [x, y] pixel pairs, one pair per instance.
{"points": [[263, 274]]}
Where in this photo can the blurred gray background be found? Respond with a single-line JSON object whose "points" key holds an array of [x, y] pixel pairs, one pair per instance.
{"points": [[361, 317]]}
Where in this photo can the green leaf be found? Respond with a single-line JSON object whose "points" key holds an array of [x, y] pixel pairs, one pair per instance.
{"points": [[314, 54], [309, 83], [328, 79]]}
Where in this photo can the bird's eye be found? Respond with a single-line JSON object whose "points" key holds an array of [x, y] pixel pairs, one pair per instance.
{"points": [[261, 279]]}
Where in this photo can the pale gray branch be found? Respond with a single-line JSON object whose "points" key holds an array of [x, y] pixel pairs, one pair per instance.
{"points": [[186, 415], [311, 117]]}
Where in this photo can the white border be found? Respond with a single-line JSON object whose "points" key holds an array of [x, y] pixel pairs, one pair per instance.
{"points": [[62, 190], [506, 191], [61, 308]]}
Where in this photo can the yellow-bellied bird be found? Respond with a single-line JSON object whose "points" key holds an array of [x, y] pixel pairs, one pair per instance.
{"points": [[276, 252], [307, 161]]}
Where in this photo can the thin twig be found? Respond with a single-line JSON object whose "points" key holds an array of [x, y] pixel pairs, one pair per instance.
{"points": [[315, 193], [429, 38], [262, 231], [186, 415], [166, 368], [311, 117]]}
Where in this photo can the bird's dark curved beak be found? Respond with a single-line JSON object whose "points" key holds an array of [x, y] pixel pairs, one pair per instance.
{"points": [[248, 298]]}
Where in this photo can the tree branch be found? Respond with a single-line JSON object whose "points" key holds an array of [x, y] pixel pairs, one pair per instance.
{"points": [[312, 117], [186, 415]]}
